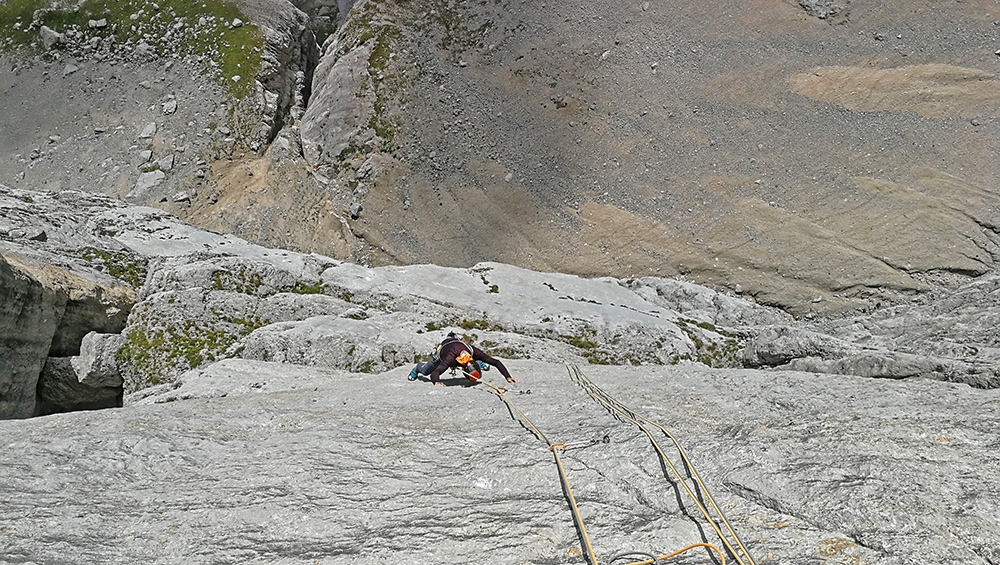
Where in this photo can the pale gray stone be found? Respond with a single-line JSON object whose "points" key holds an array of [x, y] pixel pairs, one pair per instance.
{"points": [[148, 130], [96, 366], [778, 345], [143, 157], [29, 316], [50, 37], [60, 390], [165, 163], [146, 182], [248, 457]]}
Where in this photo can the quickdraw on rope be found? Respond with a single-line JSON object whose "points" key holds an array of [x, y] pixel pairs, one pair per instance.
{"points": [[623, 412]]}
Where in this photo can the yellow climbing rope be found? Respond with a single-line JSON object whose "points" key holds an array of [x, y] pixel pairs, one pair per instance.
{"points": [[722, 556], [555, 448], [626, 413]]}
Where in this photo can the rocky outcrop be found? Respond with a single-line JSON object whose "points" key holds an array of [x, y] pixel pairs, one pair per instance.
{"points": [[28, 314], [469, 132], [308, 464], [778, 345], [88, 381], [206, 297], [144, 104], [290, 54], [463, 132], [313, 310], [48, 310], [822, 9]]}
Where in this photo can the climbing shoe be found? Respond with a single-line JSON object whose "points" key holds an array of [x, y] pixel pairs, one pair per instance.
{"points": [[413, 375]]}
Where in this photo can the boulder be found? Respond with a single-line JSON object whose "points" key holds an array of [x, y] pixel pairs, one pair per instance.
{"points": [[62, 388], [778, 345]]}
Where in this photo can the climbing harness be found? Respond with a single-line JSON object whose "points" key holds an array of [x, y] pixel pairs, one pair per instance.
{"points": [[620, 411], [436, 356]]}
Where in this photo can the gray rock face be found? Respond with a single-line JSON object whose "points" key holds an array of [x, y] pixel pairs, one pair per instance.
{"points": [[780, 344], [48, 310], [87, 381], [336, 117], [209, 296], [313, 310], [308, 465], [303, 462], [28, 314], [55, 290], [96, 365]]}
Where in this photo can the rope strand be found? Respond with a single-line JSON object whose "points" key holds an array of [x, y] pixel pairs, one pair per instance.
{"points": [[620, 410]]}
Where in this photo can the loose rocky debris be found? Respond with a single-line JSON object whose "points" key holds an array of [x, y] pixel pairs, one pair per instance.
{"points": [[763, 160]]}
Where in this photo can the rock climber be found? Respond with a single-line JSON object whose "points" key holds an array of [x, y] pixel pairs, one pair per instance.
{"points": [[454, 352]]}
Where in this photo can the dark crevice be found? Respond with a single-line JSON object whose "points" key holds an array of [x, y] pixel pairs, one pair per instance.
{"points": [[324, 20]]}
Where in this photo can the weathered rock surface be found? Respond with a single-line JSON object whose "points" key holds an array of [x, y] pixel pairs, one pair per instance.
{"points": [[700, 154], [47, 310], [27, 323], [207, 296], [303, 462], [625, 139], [269, 462], [88, 381]]}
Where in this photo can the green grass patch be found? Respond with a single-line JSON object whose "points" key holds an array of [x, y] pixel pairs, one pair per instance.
{"points": [[123, 266], [242, 281], [155, 356], [305, 288], [435, 326], [200, 28], [479, 325], [712, 353], [583, 342]]}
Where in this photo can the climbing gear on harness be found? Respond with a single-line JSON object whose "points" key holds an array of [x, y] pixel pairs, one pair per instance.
{"points": [[471, 373], [483, 366], [450, 339], [464, 358]]}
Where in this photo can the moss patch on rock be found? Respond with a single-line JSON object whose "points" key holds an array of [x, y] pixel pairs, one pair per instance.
{"points": [[130, 268], [153, 356]]}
